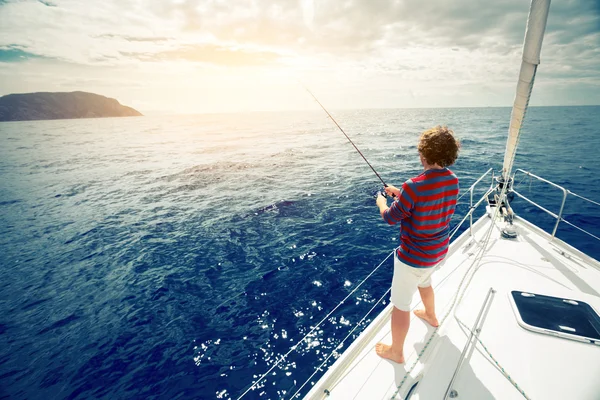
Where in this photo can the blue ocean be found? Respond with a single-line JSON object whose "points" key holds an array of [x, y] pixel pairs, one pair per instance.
{"points": [[179, 257]]}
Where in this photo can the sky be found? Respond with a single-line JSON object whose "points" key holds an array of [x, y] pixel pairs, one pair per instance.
{"points": [[193, 56]]}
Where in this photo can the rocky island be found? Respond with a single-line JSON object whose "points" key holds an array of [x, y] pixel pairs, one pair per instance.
{"points": [[61, 105]]}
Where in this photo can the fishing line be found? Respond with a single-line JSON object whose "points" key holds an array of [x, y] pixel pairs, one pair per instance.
{"points": [[350, 140]]}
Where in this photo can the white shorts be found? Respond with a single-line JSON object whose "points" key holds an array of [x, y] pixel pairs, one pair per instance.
{"points": [[405, 282]]}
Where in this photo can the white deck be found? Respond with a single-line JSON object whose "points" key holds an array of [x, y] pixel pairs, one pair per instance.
{"points": [[545, 367]]}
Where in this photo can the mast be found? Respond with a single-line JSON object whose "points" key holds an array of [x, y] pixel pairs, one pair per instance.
{"points": [[532, 46]]}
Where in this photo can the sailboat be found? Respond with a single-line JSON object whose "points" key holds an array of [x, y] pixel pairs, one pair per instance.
{"points": [[518, 307]]}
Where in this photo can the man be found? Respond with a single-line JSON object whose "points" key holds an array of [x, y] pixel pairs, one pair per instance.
{"points": [[423, 207]]}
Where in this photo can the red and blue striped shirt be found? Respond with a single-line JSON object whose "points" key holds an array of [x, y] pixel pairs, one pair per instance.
{"points": [[424, 208]]}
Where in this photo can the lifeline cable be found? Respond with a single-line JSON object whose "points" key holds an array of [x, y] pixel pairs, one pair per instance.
{"points": [[313, 329], [338, 125]]}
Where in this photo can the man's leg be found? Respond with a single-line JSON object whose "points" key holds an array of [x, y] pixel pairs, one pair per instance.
{"points": [[400, 324], [428, 299], [404, 285]]}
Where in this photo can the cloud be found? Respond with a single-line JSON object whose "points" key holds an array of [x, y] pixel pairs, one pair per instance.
{"points": [[349, 30], [353, 27], [210, 54], [153, 39], [380, 34], [331, 26], [412, 46], [96, 82], [79, 32]]}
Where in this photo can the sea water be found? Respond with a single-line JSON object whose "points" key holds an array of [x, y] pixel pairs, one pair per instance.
{"points": [[181, 256]]}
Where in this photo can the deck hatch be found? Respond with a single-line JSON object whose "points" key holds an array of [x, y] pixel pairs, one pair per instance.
{"points": [[573, 319]]}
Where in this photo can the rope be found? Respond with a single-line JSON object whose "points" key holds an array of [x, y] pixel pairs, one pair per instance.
{"points": [[581, 229], [500, 367], [453, 231], [469, 213], [480, 252], [358, 324], [584, 198], [340, 345], [471, 188], [479, 255], [463, 195], [517, 185], [294, 347], [386, 333], [383, 336], [421, 280]]}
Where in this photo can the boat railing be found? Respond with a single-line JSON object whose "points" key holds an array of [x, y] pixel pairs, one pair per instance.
{"points": [[473, 207], [315, 328], [565, 193]]}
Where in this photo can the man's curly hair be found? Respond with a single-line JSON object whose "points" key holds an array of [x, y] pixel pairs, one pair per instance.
{"points": [[439, 146]]}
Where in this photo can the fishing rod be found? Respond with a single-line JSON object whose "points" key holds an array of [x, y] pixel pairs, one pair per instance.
{"points": [[350, 140]]}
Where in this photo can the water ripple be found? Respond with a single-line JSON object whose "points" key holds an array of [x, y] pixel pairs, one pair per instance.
{"points": [[180, 257]]}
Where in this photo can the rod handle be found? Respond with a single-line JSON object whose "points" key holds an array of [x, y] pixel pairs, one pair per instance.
{"points": [[384, 194]]}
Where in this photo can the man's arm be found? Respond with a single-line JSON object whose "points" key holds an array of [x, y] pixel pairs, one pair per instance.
{"points": [[382, 204], [400, 209], [382, 201]]}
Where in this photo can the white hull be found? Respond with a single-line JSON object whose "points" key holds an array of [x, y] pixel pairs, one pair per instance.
{"points": [[543, 366], [480, 350]]}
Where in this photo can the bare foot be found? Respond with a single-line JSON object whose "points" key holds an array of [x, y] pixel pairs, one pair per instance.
{"points": [[385, 351], [430, 320]]}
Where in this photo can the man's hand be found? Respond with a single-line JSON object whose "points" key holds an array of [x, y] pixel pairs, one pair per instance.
{"points": [[392, 190], [381, 201]]}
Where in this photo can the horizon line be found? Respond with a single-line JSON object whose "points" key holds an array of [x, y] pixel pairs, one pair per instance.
{"points": [[161, 113]]}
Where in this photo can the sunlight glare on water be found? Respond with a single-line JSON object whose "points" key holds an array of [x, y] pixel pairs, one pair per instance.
{"points": [[182, 256]]}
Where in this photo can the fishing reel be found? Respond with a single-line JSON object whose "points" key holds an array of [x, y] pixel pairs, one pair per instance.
{"points": [[383, 193]]}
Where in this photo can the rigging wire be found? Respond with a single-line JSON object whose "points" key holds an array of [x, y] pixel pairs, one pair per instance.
{"points": [[481, 251], [294, 347], [341, 344]]}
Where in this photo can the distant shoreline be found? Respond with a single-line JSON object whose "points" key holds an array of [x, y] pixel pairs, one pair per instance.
{"points": [[153, 114], [66, 119], [61, 105]]}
